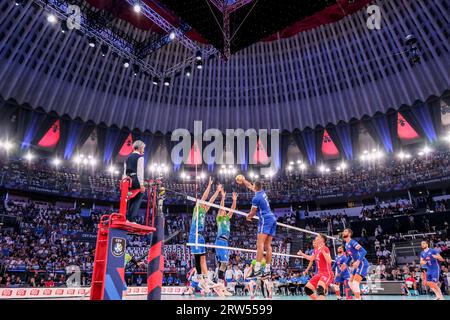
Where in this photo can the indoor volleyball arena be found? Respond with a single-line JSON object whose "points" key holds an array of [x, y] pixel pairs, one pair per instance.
{"points": [[233, 153]]}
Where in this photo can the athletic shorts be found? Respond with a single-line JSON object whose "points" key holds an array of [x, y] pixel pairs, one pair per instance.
{"points": [[222, 255], [201, 240], [362, 268], [326, 278], [267, 225], [341, 278], [433, 275]]}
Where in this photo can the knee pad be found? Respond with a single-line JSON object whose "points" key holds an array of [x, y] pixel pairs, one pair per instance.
{"points": [[320, 291], [308, 291]]}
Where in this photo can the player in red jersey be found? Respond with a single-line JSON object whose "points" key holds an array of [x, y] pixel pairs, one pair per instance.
{"points": [[317, 287]]}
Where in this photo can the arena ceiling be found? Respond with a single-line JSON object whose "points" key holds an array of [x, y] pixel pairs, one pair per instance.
{"points": [[250, 23], [323, 75]]}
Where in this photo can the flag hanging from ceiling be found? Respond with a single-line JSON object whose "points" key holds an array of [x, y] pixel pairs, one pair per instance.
{"points": [[404, 129], [329, 149], [195, 156], [127, 147], [260, 154], [51, 138]]}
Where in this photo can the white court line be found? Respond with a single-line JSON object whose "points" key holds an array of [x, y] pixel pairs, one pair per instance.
{"points": [[245, 215], [240, 249]]}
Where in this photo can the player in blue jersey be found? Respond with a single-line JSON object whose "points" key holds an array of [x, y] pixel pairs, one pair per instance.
{"points": [[342, 275], [430, 258], [266, 228], [196, 234], [223, 233], [357, 260]]}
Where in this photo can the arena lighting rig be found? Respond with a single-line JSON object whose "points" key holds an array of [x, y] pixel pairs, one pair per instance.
{"points": [[98, 30]]}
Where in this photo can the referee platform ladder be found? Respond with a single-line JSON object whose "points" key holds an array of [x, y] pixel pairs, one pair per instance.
{"points": [[108, 277]]}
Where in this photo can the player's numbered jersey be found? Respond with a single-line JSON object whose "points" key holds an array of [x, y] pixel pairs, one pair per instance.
{"points": [[261, 202], [432, 263], [223, 226], [201, 219], [352, 248]]}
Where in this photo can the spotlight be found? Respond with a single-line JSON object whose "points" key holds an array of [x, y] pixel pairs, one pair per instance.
{"points": [[202, 175], [322, 169], [7, 145], [403, 155], [188, 71], [427, 150], [91, 42], [172, 35], [29, 156], [19, 2], [302, 166], [199, 64], [155, 81], [289, 168], [198, 55], [167, 81], [252, 175], [56, 162], [292, 163], [126, 63], [104, 50], [111, 169], [52, 19], [137, 7], [77, 159], [135, 69]]}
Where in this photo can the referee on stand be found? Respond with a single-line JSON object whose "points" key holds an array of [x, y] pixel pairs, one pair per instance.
{"points": [[134, 168]]}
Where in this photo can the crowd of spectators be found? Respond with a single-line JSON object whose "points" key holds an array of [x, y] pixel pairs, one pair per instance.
{"points": [[358, 179]]}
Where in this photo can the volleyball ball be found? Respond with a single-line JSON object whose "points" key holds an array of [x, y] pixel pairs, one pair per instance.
{"points": [[240, 179]]}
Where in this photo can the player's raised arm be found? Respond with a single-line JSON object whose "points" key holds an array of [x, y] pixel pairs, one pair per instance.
{"points": [[233, 205], [248, 184], [222, 201], [207, 190], [214, 196]]}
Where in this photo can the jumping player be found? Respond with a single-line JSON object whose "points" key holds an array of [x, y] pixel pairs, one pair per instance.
{"points": [[266, 228], [317, 287], [431, 258], [199, 252], [360, 264], [223, 233], [342, 275]]}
